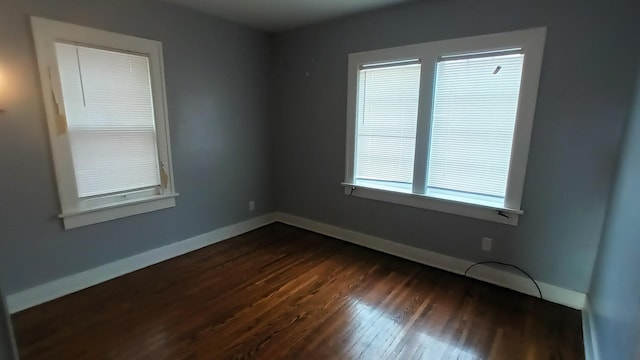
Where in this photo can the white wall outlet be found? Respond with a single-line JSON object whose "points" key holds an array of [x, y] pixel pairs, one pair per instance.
{"points": [[252, 205], [487, 243]]}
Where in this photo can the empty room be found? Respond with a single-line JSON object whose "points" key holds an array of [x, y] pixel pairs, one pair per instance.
{"points": [[320, 179]]}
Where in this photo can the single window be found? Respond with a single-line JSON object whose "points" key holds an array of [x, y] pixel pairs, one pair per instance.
{"points": [[104, 95], [474, 117], [387, 117], [110, 123], [445, 125]]}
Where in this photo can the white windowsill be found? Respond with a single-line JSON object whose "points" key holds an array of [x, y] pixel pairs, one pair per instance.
{"points": [[478, 211], [98, 214]]}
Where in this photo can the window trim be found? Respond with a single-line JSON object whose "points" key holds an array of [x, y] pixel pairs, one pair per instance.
{"points": [[531, 41], [73, 212]]}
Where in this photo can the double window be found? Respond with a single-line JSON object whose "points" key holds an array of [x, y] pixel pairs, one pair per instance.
{"points": [[445, 125], [105, 102]]}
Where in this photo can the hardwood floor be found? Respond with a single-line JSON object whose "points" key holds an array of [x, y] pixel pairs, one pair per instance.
{"points": [[282, 292]]}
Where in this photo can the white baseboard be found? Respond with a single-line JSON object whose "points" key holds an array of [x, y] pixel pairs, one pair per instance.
{"points": [[70, 284], [570, 298], [591, 351], [52, 290]]}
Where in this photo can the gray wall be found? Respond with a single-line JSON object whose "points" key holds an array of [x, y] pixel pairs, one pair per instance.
{"points": [[614, 300], [216, 75], [583, 101], [227, 152]]}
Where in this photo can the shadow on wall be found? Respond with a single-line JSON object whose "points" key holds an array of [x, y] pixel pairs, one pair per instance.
{"points": [[7, 344], [614, 306]]}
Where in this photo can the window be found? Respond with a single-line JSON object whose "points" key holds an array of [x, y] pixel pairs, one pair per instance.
{"points": [[445, 125], [106, 112]]}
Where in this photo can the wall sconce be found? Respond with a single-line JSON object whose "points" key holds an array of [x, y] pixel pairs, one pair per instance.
{"points": [[3, 90], [11, 88]]}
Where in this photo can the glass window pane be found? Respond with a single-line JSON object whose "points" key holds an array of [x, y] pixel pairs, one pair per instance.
{"points": [[387, 112]]}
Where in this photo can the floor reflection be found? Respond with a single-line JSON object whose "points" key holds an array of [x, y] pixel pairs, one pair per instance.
{"points": [[150, 337], [380, 334]]}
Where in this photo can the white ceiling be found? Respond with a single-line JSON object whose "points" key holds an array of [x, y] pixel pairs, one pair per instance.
{"points": [[277, 15]]}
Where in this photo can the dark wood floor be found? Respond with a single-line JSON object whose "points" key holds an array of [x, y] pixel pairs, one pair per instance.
{"points": [[282, 292]]}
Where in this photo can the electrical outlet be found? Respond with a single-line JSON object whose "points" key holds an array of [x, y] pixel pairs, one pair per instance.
{"points": [[252, 205], [487, 243]]}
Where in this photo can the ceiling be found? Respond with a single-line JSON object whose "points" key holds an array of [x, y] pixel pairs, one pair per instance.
{"points": [[278, 15]]}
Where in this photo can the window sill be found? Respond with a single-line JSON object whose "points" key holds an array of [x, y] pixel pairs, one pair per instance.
{"points": [[84, 217], [477, 211]]}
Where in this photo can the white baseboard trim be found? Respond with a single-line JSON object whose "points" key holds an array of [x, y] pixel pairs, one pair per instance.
{"points": [[591, 351], [57, 288], [52, 290], [569, 298]]}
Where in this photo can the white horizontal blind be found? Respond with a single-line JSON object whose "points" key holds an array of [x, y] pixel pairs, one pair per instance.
{"points": [[473, 121], [387, 112], [111, 128]]}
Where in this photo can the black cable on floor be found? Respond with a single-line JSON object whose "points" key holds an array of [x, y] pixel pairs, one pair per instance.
{"points": [[505, 264]]}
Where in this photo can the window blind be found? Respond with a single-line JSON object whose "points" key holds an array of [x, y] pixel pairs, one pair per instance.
{"points": [[473, 121], [110, 121], [387, 112]]}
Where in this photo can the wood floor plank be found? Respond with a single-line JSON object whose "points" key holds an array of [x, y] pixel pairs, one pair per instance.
{"points": [[280, 292]]}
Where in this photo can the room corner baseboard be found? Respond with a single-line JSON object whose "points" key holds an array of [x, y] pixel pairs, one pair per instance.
{"points": [[591, 351], [566, 297], [52, 290], [57, 288]]}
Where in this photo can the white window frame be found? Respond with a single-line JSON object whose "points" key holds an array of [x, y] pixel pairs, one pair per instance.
{"points": [[78, 212], [531, 42]]}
